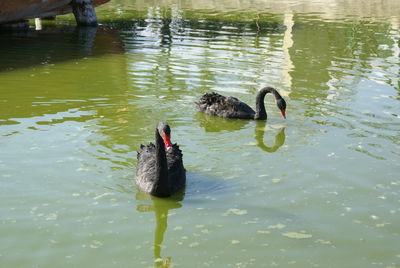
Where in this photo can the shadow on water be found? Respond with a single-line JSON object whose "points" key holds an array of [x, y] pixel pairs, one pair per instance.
{"points": [[200, 185], [171, 26], [46, 88], [212, 123], [51, 45]]}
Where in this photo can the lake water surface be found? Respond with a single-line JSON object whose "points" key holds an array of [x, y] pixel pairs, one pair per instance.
{"points": [[319, 189]]}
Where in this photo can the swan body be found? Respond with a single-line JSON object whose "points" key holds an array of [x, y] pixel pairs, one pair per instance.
{"points": [[160, 171], [230, 107]]}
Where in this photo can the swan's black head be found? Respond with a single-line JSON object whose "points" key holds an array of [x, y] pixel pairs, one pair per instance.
{"points": [[165, 132], [281, 103]]}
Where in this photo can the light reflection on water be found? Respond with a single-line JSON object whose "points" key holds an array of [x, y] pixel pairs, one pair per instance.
{"points": [[77, 104]]}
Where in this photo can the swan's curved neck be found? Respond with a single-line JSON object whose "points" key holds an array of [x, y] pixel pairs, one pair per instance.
{"points": [[261, 114], [161, 185]]}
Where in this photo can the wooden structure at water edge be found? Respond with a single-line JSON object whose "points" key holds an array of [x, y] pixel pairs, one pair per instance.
{"points": [[15, 13]]}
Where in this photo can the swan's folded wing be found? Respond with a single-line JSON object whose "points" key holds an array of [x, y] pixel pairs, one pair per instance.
{"points": [[176, 170]]}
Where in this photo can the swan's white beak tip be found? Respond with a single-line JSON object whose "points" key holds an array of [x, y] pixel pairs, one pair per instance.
{"points": [[169, 148]]}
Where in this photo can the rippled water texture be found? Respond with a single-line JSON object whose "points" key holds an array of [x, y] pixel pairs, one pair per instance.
{"points": [[319, 189]]}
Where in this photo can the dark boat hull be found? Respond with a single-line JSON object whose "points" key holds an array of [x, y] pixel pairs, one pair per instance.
{"points": [[17, 10]]}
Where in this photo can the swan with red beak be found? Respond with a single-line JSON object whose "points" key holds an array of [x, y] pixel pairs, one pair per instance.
{"points": [[230, 107], [160, 171], [166, 135]]}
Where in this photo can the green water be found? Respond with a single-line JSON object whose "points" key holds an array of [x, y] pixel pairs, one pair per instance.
{"points": [[319, 189]]}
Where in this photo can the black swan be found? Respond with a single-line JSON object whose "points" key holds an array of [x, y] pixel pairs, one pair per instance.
{"points": [[230, 107], [160, 170]]}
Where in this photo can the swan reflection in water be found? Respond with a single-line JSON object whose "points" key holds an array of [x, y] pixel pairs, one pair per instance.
{"points": [[161, 208], [259, 136], [217, 124]]}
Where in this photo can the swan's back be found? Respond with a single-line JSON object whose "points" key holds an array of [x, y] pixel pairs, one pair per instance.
{"points": [[176, 170], [146, 177], [229, 107]]}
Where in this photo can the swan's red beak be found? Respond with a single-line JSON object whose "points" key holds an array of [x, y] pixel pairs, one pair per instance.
{"points": [[167, 142], [283, 113]]}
